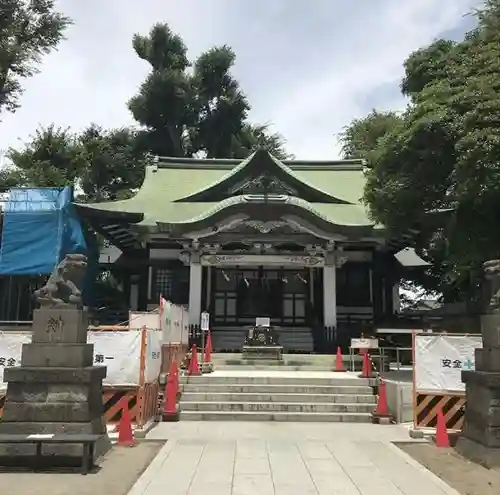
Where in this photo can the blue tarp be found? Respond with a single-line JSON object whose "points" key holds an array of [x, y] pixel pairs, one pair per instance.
{"points": [[40, 226]]}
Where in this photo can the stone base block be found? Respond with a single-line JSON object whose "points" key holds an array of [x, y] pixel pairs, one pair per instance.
{"points": [[58, 355], [207, 368], [65, 325], [475, 452], [416, 434], [50, 393], [477, 430], [96, 426], [381, 420], [482, 378], [55, 411], [54, 375], [272, 352]]}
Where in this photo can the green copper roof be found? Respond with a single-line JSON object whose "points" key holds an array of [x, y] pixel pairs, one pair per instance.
{"points": [[165, 194]]}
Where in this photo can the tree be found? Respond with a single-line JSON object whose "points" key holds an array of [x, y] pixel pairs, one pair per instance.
{"points": [[50, 159], [112, 164], [101, 164], [362, 136], [256, 136], [443, 155], [28, 30], [190, 109]]}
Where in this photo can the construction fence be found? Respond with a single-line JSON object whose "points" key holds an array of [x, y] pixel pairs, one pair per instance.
{"points": [[133, 361], [438, 361]]}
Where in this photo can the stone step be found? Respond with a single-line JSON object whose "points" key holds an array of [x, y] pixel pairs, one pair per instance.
{"points": [[249, 388], [272, 366], [282, 397], [319, 407], [275, 416], [231, 357], [275, 380], [305, 347]]}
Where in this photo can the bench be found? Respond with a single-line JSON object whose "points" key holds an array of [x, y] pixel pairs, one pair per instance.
{"points": [[88, 442]]}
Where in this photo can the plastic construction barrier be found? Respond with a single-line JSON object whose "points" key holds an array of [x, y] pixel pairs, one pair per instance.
{"points": [[438, 361], [133, 360], [427, 407]]}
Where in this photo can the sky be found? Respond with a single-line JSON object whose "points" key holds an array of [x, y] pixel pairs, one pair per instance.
{"points": [[308, 68]]}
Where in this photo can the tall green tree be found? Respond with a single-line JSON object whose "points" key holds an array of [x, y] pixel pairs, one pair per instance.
{"points": [[444, 155], [112, 164], [100, 164], [363, 136], [28, 30], [50, 158], [194, 108]]}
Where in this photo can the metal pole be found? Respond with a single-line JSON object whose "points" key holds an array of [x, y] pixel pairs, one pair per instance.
{"points": [[202, 347], [397, 358]]}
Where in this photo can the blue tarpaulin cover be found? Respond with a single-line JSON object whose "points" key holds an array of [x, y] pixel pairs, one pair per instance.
{"points": [[40, 226]]}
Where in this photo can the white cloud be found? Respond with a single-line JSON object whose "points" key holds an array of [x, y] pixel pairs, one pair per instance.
{"points": [[308, 67]]}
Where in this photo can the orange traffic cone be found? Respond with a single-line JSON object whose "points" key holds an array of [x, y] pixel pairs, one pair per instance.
{"points": [[125, 434], [208, 349], [367, 367], [170, 398], [382, 410], [442, 439], [194, 367], [339, 362]]}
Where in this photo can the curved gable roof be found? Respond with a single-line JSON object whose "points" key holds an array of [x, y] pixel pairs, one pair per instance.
{"points": [[261, 163]]}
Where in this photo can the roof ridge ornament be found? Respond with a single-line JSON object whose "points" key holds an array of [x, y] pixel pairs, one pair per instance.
{"points": [[266, 198], [264, 183]]}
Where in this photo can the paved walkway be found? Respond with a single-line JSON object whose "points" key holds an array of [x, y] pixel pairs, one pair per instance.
{"points": [[212, 458]]}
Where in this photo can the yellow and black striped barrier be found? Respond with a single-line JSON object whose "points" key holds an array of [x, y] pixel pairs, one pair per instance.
{"points": [[428, 405]]}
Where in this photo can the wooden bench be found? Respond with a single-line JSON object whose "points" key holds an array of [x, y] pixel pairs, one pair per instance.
{"points": [[88, 442]]}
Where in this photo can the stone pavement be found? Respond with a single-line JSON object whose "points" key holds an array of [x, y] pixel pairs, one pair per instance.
{"points": [[216, 458]]}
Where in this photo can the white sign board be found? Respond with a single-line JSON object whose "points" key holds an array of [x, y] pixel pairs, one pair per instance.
{"points": [[120, 352], [10, 350], [263, 322], [153, 355], [173, 321], [364, 343], [205, 321], [440, 359]]}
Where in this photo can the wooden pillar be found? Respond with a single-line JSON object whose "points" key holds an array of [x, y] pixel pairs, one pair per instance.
{"points": [[195, 284]]}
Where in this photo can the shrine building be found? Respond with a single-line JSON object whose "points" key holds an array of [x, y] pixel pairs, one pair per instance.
{"points": [[289, 240]]}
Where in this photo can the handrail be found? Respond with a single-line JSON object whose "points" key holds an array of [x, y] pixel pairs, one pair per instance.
{"points": [[381, 355]]}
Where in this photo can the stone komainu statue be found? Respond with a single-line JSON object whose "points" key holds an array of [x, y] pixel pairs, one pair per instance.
{"points": [[492, 274], [64, 286]]}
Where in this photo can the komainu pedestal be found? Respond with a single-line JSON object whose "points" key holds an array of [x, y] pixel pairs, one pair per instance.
{"points": [[56, 389], [480, 440]]}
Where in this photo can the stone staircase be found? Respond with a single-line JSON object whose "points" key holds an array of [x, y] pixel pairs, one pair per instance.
{"points": [[291, 338], [276, 398], [291, 362]]}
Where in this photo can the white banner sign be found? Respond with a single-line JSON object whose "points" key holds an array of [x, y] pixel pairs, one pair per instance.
{"points": [[174, 324], [10, 350], [120, 352], [205, 321], [153, 355], [440, 359]]}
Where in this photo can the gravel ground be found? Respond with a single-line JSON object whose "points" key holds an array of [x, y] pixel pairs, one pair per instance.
{"points": [[119, 470], [466, 477]]}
